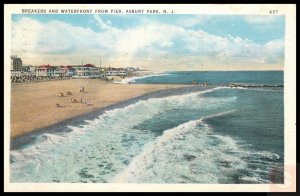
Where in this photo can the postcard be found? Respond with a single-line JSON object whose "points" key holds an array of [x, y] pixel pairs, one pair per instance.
{"points": [[150, 97]]}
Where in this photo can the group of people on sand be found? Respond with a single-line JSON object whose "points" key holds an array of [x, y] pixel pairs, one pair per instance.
{"points": [[72, 100], [62, 94]]}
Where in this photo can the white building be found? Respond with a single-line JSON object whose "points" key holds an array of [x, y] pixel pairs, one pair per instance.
{"points": [[87, 71], [122, 73], [64, 71], [130, 69], [45, 71], [116, 72], [111, 72], [69, 70]]}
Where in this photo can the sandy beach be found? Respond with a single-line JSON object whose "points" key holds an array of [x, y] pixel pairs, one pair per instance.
{"points": [[33, 105]]}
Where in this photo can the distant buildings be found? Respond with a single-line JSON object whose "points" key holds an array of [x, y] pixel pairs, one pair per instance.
{"points": [[87, 71], [111, 72], [29, 68], [45, 71], [131, 69], [21, 73], [16, 63], [74, 71], [65, 71], [120, 71]]}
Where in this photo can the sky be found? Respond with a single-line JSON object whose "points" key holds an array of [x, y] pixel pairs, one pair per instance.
{"points": [[156, 42]]}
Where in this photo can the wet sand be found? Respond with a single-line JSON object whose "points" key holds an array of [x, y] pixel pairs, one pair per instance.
{"points": [[33, 105]]}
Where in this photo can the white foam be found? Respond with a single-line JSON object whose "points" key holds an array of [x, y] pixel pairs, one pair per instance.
{"points": [[193, 153], [221, 113], [133, 79], [253, 179], [191, 140], [266, 154], [105, 146], [106, 131]]}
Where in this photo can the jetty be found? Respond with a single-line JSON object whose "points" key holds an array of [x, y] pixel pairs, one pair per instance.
{"points": [[254, 85]]}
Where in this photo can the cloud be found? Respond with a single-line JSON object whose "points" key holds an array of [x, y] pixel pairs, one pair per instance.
{"points": [[192, 21], [274, 47], [263, 19], [274, 51], [103, 25], [152, 44]]}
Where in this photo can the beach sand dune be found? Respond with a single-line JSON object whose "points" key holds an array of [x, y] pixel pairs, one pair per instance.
{"points": [[34, 105]]}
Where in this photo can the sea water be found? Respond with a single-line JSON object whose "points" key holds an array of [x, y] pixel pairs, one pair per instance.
{"points": [[217, 135], [211, 77]]}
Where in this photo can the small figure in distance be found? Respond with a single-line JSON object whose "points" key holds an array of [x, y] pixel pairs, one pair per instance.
{"points": [[82, 89]]}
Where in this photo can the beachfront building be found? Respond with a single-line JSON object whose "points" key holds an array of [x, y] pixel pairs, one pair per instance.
{"points": [[116, 72], [29, 68], [111, 72], [28, 73], [26, 70], [122, 73], [130, 69], [87, 71], [16, 63], [45, 71], [59, 72], [16, 73], [64, 71]]}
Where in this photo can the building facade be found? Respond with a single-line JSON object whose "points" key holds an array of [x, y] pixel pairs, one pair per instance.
{"points": [[16, 63], [64, 71], [45, 71], [87, 71], [116, 72]]}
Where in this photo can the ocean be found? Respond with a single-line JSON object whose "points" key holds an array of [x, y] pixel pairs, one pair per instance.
{"points": [[212, 77], [207, 135]]}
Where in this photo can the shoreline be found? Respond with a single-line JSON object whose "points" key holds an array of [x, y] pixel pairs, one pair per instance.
{"points": [[40, 104], [19, 141]]}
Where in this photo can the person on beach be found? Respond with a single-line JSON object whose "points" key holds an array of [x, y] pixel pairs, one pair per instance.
{"points": [[81, 89], [80, 100], [73, 100]]}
